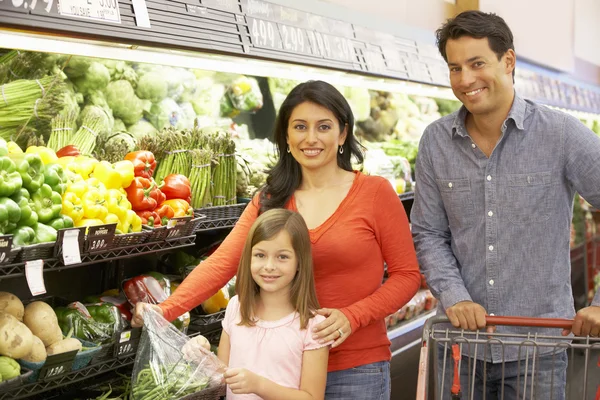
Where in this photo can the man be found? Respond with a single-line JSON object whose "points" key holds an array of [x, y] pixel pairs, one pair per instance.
{"points": [[493, 205]]}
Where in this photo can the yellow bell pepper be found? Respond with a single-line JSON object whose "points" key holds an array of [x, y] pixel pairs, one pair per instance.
{"points": [[94, 183], [136, 221], [13, 148], [111, 219], [216, 302], [114, 176], [85, 165], [47, 155], [89, 222], [93, 204], [71, 206], [79, 188], [126, 223], [117, 203]]}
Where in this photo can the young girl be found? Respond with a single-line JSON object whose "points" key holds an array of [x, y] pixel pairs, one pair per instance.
{"points": [[267, 339]]}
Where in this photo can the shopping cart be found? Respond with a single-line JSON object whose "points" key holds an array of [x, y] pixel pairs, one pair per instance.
{"points": [[583, 381]]}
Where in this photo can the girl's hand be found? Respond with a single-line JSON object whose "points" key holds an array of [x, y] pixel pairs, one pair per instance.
{"points": [[242, 381], [138, 321], [335, 327], [196, 349]]}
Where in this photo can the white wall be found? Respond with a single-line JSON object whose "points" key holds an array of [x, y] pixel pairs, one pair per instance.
{"points": [[543, 29], [587, 30]]}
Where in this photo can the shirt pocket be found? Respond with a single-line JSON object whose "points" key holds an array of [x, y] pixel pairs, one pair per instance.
{"points": [[458, 201], [528, 197]]}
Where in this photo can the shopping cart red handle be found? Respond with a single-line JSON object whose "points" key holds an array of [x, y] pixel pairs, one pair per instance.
{"points": [[525, 321]]}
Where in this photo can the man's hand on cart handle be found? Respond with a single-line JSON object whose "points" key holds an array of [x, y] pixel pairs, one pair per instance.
{"points": [[138, 321], [469, 316], [586, 323]]}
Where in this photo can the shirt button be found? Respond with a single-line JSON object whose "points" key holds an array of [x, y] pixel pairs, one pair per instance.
{"points": [[489, 178], [491, 282], [490, 213], [473, 145], [492, 314], [449, 184], [491, 248]]}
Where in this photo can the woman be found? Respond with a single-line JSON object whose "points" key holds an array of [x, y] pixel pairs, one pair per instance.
{"points": [[356, 224]]}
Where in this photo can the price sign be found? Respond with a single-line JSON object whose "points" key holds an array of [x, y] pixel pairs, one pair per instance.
{"points": [[375, 61], [5, 246], [71, 250], [176, 226], [100, 238], [99, 10], [34, 274], [264, 34], [294, 39], [224, 5], [45, 6], [331, 47]]}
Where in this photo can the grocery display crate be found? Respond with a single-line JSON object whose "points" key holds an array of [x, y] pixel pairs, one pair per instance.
{"points": [[206, 323], [219, 217], [157, 234], [127, 343], [16, 382], [130, 239], [41, 251]]}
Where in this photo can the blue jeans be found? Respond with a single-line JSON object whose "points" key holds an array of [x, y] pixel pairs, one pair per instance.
{"points": [[366, 382], [549, 380]]}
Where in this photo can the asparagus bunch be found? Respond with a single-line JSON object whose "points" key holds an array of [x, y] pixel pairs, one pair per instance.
{"points": [[63, 130], [200, 177]]}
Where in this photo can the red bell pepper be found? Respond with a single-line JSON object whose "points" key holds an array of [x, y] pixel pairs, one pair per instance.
{"points": [[144, 163], [68, 151], [165, 213], [176, 186], [144, 288], [150, 218], [143, 194]]}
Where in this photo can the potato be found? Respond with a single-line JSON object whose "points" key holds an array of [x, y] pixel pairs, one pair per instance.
{"points": [[9, 303], [38, 351], [42, 321], [15, 338], [64, 346]]}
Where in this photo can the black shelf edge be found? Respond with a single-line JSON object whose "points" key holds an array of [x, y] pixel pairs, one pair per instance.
{"points": [[55, 264], [407, 196], [32, 389]]}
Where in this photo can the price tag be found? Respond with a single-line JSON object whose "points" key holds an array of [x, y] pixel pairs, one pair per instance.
{"points": [[264, 34], [176, 226], [125, 336], [294, 39], [34, 273], [70, 247], [28, 5], [140, 10], [5, 247], [100, 238], [99, 10]]}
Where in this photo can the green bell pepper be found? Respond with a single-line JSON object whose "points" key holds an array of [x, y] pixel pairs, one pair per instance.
{"points": [[62, 222], [10, 179], [23, 200], [44, 233], [56, 178], [31, 169], [3, 147], [47, 204], [73, 318], [10, 214], [23, 236], [108, 317]]}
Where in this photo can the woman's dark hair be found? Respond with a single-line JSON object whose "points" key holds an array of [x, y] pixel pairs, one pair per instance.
{"points": [[478, 25], [286, 175]]}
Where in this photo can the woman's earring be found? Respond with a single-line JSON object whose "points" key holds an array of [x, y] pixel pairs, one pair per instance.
{"points": [[288, 149], [341, 150]]}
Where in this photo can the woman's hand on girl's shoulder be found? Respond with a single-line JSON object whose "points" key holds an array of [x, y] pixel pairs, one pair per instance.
{"points": [[336, 327]]}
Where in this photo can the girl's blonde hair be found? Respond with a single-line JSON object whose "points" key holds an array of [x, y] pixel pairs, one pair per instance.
{"points": [[302, 293]]}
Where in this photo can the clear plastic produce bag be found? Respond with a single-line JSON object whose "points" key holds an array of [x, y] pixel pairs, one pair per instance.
{"points": [[165, 368]]}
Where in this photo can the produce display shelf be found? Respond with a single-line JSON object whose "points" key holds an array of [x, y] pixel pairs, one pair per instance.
{"points": [[219, 217], [410, 325], [55, 264], [73, 377], [407, 196]]}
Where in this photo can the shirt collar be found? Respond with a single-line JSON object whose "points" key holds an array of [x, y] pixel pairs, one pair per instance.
{"points": [[517, 114]]}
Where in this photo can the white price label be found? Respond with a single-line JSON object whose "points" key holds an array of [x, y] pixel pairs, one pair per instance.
{"points": [[70, 247], [99, 10], [172, 223], [141, 13], [34, 273], [125, 336]]}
